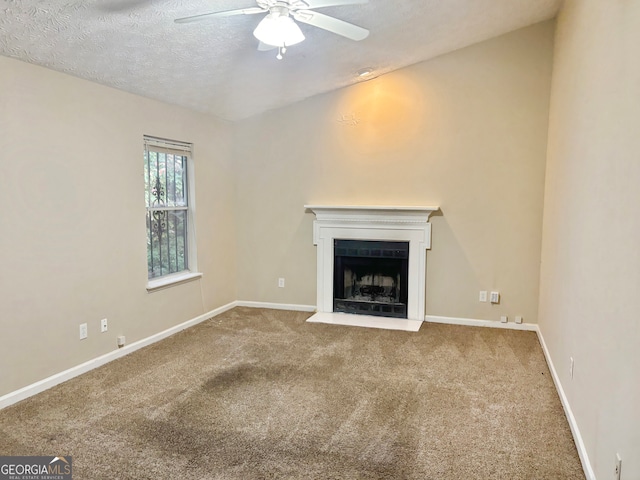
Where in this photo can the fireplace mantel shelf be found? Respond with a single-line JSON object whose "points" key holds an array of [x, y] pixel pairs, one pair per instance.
{"points": [[371, 207], [370, 213]]}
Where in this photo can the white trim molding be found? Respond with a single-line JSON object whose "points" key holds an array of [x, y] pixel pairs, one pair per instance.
{"points": [[276, 306], [53, 380], [381, 223], [372, 214], [169, 280], [472, 322], [577, 437]]}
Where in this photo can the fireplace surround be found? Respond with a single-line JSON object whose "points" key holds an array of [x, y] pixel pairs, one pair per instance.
{"points": [[405, 224]]}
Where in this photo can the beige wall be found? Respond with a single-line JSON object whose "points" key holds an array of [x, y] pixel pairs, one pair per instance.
{"points": [[72, 243], [466, 131], [590, 275]]}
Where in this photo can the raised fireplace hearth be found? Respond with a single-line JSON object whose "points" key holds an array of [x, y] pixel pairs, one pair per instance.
{"points": [[395, 286]]}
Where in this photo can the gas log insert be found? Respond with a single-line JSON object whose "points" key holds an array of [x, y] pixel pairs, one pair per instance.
{"points": [[370, 277]]}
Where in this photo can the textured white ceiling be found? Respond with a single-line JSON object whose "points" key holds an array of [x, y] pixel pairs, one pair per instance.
{"points": [[214, 67]]}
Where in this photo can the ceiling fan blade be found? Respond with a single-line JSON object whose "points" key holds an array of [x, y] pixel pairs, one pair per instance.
{"points": [[340, 27], [332, 3], [226, 13], [264, 47]]}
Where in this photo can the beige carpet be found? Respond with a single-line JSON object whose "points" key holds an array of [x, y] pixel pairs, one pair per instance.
{"points": [[256, 394]]}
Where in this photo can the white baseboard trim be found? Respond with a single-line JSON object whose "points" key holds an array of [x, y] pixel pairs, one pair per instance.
{"points": [[42, 385], [276, 306], [53, 380], [472, 322], [577, 437]]}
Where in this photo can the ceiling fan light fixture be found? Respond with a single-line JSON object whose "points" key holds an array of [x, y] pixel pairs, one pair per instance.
{"points": [[278, 31]]}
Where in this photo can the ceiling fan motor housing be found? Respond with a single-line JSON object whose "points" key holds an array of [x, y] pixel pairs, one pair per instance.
{"points": [[278, 28]]}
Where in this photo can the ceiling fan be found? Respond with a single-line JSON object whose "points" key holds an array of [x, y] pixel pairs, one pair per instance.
{"points": [[279, 30]]}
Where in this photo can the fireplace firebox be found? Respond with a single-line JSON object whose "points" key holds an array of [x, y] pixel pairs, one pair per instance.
{"points": [[371, 277]]}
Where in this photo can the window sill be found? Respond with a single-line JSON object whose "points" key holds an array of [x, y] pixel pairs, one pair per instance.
{"points": [[170, 280]]}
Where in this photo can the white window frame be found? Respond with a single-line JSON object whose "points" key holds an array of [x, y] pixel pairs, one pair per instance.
{"points": [[191, 273]]}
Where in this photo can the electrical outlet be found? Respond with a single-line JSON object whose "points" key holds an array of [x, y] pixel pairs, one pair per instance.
{"points": [[518, 319], [83, 331], [103, 325], [495, 297], [121, 340], [281, 282], [571, 367], [504, 319], [483, 296], [618, 470]]}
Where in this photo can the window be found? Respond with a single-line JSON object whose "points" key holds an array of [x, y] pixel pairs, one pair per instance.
{"points": [[167, 196]]}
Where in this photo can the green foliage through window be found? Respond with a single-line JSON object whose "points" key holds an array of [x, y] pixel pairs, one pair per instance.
{"points": [[166, 196]]}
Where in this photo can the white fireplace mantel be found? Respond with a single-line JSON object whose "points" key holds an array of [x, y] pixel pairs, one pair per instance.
{"points": [[385, 223]]}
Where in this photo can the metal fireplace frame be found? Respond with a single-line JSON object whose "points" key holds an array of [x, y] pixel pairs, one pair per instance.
{"points": [[374, 257]]}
